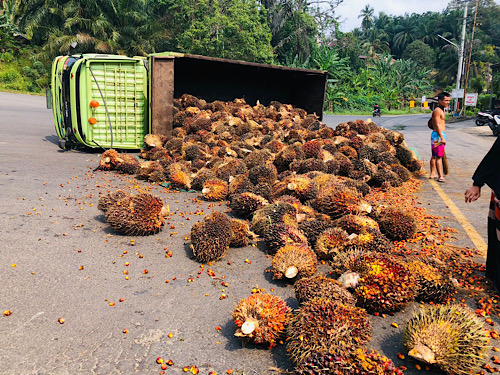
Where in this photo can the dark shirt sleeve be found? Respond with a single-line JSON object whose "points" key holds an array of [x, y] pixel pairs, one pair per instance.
{"points": [[488, 171]]}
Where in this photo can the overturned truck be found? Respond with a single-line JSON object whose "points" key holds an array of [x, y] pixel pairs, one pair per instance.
{"points": [[109, 101]]}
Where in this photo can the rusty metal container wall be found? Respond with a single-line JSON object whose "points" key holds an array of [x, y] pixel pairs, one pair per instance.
{"points": [[221, 79]]}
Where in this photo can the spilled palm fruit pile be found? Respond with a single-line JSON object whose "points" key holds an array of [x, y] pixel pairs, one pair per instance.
{"points": [[314, 197]]}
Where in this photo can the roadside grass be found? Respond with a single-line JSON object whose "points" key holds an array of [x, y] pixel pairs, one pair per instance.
{"points": [[23, 77]]}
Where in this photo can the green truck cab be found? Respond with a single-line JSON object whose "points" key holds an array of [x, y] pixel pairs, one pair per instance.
{"points": [[100, 101]]}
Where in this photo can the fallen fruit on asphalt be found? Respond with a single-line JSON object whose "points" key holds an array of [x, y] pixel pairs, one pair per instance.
{"points": [[7, 312], [60, 320], [159, 360]]}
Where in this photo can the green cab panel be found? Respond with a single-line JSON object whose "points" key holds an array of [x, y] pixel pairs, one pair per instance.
{"points": [[117, 88]]}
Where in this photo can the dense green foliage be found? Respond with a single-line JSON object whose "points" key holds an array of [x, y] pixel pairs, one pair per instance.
{"points": [[388, 59]]}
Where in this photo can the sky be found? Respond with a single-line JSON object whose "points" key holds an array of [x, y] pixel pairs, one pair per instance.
{"points": [[349, 10]]}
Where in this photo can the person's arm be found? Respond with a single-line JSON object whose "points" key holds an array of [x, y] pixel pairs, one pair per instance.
{"points": [[486, 173], [488, 167]]}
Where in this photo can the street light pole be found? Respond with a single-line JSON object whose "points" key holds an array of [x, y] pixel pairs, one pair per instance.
{"points": [[461, 56]]}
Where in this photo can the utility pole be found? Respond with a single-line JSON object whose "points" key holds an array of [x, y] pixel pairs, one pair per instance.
{"points": [[461, 57]]}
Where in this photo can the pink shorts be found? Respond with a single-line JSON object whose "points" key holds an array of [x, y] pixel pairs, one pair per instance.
{"points": [[437, 148]]}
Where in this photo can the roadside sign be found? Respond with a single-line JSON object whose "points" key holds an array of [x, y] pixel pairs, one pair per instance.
{"points": [[424, 98], [457, 93], [471, 99]]}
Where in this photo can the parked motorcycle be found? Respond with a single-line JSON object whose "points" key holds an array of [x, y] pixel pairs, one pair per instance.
{"points": [[481, 119], [376, 112], [493, 122]]}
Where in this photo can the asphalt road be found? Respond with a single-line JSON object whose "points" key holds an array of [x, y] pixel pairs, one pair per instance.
{"points": [[59, 259]]}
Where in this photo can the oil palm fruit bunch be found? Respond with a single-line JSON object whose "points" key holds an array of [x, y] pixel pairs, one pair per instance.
{"points": [[240, 233], [338, 201], [154, 140], [127, 164], [239, 184], [179, 176], [245, 204], [146, 168], [261, 318], [211, 237], [200, 177], [266, 173], [274, 213], [331, 242], [370, 239], [141, 215], [214, 189], [353, 361], [295, 260], [323, 324], [312, 228], [385, 284], [108, 160], [396, 224], [356, 223], [432, 284], [302, 187], [448, 336], [320, 286], [279, 235], [111, 199]]}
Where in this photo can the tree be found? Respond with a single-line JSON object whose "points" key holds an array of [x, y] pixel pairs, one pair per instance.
{"points": [[421, 54], [366, 15], [230, 29]]}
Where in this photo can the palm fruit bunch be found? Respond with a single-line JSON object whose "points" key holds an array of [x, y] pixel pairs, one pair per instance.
{"points": [[432, 284], [245, 204], [111, 199], [211, 237], [396, 224], [201, 177], [356, 223], [239, 184], [108, 160], [323, 324], [179, 176], [154, 140], [274, 213], [331, 242], [320, 286], [355, 361], [261, 318], [214, 189], [279, 235], [295, 260], [370, 239], [300, 186], [337, 201], [385, 283], [450, 337], [141, 215], [240, 233], [148, 168], [265, 174], [127, 164], [312, 228]]}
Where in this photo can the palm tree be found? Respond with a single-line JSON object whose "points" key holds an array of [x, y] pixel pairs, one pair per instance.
{"points": [[405, 34], [367, 17]]}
